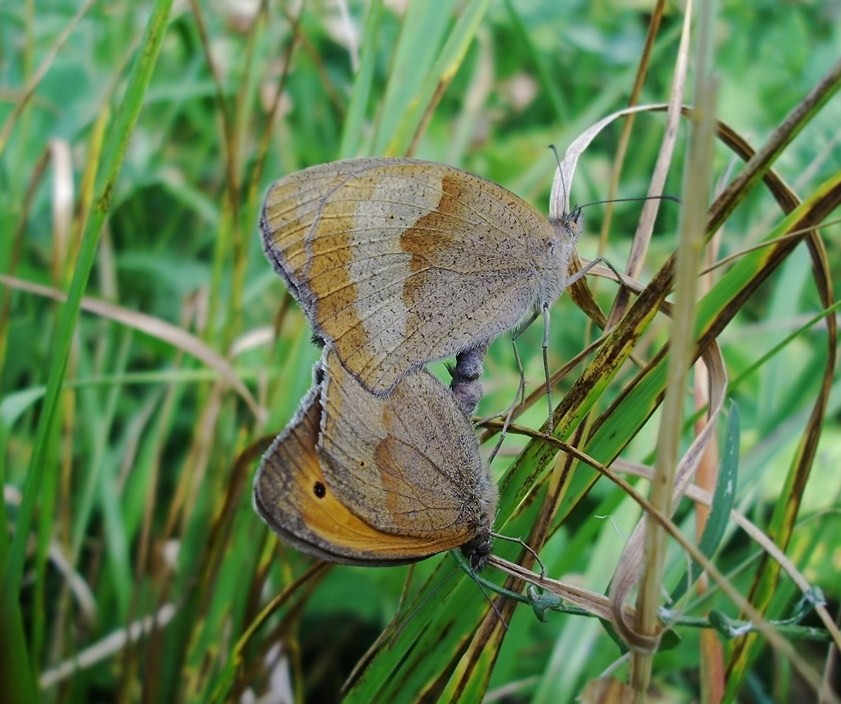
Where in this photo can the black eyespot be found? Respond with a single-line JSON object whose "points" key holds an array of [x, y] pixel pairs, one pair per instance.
{"points": [[319, 490]]}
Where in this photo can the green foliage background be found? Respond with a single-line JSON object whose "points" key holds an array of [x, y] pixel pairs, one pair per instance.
{"points": [[136, 141]]}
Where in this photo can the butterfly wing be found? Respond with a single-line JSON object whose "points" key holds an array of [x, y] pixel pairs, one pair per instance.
{"points": [[408, 463], [295, 498], [399, 262]]}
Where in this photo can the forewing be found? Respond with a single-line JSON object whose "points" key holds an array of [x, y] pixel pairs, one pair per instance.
{"points": [[399, 262]]}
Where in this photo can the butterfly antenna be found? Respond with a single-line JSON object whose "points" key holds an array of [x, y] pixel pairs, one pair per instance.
{"points": [[399, 628], [674, 199], [481, 582], [492, 603]]}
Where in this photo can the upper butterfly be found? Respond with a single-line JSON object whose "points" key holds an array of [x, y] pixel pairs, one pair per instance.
{"points": [[400, 262]]}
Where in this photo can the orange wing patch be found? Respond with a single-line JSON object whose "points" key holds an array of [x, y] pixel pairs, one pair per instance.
{"points": [[292, 495]]}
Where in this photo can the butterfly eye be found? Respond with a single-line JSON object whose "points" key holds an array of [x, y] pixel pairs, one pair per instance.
{"points": [[319, 490]]}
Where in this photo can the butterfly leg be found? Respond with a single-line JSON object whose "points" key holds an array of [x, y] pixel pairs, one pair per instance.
{"points": [[584, 270], [519, 398]]}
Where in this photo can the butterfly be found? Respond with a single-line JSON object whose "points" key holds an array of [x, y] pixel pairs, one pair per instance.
{"points": [[401, 262], [367, 480]]}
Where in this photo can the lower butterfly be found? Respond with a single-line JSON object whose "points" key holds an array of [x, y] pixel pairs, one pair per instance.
{"points": [[364, 480]]}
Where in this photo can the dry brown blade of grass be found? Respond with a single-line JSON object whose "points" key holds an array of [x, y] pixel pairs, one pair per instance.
{"points": [[628, 125], [195, 467], [337, 100], [87, 184], [40, 73], [266, 134], [559, 478], [270, 549], [108, 647], [62, 208], [226, 118], [703, 497], [592, 602], [17, 249], [650, 207], [559, 203], [627, 571], [710, 646], [222, 522], [669, 480], [434, 100], [154, 327], [312, 576], [766, 629]]}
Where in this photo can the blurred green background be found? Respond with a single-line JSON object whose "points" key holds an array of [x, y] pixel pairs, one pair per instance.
{"points": [[141, 507]]}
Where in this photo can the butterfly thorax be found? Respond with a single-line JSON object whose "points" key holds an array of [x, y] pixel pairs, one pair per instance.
{"points": [[478, 551]]}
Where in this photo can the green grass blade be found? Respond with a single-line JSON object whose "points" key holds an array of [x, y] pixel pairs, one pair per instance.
{"points": [[426, 60], [114, 154], [354, 126], [723, 498]]}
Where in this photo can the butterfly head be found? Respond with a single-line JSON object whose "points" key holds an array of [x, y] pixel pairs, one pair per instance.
{"points": [[478, 551], [569, 226]]}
